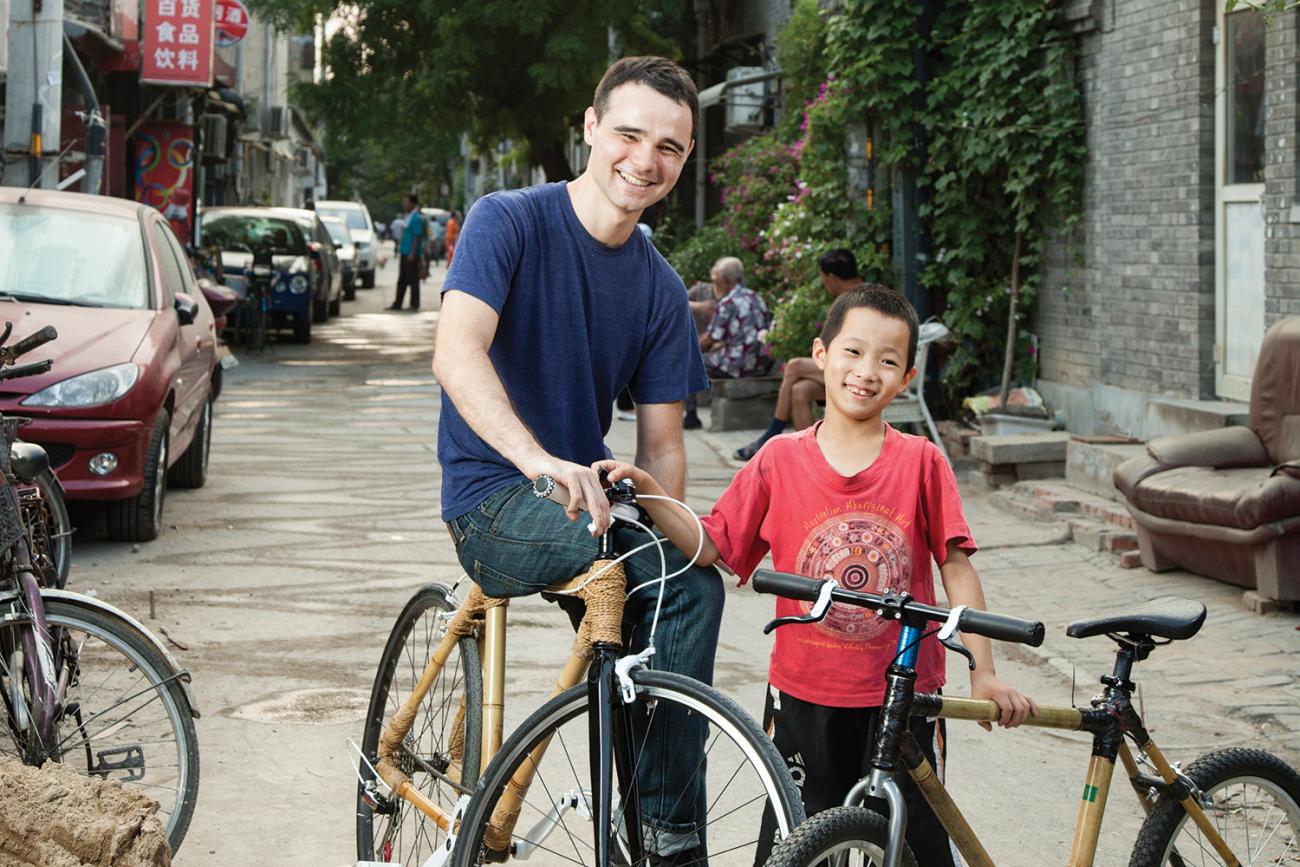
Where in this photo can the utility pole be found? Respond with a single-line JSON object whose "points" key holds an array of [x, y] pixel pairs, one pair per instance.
{"points": [[33, 92]]}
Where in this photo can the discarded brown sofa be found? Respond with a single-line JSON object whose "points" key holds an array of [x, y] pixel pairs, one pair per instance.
{"points": [[1226, 503]]}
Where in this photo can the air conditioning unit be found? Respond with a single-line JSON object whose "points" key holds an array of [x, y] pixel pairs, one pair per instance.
{"points": [[277, 122], [214, 137], [746, 103], [252, 114]]}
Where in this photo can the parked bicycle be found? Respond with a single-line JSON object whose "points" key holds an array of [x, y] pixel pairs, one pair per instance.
{"points": [[82, 682], [568, 785], [1230, 807]]}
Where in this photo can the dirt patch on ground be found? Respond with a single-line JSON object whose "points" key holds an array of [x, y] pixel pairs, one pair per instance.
{"points": [[54, 817], [313, 706]]}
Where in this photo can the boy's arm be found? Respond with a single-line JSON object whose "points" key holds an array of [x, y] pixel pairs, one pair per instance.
{"points": [[680, 528], [962, 585]]}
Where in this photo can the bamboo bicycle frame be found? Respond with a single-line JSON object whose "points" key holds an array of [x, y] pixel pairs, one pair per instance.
{"points": [[1096, 789], [484, 618]]}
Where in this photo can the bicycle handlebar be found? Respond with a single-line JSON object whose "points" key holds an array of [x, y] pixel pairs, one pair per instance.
{"points": [[18, 371], [1000, 627], [621, 496], [30, 342]]}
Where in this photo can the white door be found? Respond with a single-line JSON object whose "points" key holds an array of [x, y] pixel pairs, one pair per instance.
{"points": [[1239, 192]]}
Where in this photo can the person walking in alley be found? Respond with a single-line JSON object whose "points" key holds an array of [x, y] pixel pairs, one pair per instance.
{"points": [[552, 305], [410, 246], [452, 234], [802, 382]]}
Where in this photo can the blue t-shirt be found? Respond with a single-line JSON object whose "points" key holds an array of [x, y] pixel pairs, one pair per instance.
{"points": [[412, 233], [579, 321]]}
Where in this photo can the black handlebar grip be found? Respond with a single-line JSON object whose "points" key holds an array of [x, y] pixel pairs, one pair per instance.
{"points": [[33, 340], [787, 585], [20, 370], [1000, 627], [545, 487]]}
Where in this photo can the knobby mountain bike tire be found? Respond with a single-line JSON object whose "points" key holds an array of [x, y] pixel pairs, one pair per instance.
{"points": [[838, 837], [741, 770], [125, 717], [1255, 809], [405, 834]]}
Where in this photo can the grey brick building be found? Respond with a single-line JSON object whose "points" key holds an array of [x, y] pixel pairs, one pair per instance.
{"points": [[1151, 313]]}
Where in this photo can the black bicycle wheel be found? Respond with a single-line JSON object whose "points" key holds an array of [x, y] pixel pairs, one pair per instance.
{"points": [[49, 528], [123, 717], [430, 754], [838, 837], [736, 777], [1253, 801]]}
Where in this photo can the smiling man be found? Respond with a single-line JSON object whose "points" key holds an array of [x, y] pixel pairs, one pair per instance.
{"points": [[555, 304]]}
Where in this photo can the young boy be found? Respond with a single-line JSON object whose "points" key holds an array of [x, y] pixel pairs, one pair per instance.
{"points": [[853, 499]]}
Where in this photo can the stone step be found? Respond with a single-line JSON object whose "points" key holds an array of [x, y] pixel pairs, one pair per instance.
{"points": [[1090, 463], [1167, 416]]}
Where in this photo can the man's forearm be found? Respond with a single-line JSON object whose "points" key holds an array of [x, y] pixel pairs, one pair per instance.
{"points": [[669, 469], [476, 390]]}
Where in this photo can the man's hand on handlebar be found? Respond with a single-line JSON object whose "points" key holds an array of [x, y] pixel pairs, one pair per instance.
{"points": [[617, 471], [584, 490]]}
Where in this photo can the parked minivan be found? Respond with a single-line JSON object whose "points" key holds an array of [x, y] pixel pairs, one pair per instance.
{"points": [[357, 218]]}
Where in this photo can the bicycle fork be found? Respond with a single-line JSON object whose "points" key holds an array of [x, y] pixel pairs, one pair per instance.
{"points": [[611, 742]]}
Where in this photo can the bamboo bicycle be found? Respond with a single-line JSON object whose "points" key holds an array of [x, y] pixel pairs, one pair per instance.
{"points": [[1230, 807], [570, 785]]}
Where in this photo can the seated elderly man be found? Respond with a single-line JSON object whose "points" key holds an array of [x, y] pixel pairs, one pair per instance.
{"points": [[732, 342]]}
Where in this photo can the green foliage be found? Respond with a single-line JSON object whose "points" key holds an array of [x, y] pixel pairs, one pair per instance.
{"points": [[798, 318], [694, 258], [801, 47]]}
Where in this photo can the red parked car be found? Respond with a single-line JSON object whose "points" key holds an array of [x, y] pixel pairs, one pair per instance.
{"points": [[127, 407]]}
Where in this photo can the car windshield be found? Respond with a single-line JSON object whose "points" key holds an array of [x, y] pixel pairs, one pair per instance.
{"points": [[339, 232], [71, 257], [354, 217], [248, 232]]}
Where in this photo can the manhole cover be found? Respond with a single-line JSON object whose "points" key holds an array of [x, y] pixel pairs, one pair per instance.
{"points": [[321, 706]]}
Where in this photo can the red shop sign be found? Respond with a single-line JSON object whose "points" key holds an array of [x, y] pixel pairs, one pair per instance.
{"points": [[178, 42], [232, 22]]}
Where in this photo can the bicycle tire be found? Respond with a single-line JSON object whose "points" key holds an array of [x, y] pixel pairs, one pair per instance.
{"points": [[111, 665], [839, 831], [655, 689], [49, 529], [409, 836], [1241, 782]]}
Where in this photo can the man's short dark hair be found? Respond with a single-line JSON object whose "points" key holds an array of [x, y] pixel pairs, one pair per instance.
{"points": [[658, 73], [839, 263], [415, 200], [882, 299]]}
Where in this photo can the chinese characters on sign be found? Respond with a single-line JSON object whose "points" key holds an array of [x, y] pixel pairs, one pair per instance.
{"points": [[231, 21], [178, 38]]}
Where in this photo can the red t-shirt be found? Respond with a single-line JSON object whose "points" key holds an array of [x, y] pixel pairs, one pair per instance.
{"points": [[875, 531]]}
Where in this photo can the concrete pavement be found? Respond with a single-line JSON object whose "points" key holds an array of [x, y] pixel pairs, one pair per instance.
{"points": [[276, 585]]}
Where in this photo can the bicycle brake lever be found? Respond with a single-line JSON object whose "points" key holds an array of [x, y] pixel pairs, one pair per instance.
{"points": [[948, 636], [954, 645], [816, 613]]}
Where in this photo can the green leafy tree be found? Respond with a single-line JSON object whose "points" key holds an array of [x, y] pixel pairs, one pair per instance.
{"points": [[497, 69]]}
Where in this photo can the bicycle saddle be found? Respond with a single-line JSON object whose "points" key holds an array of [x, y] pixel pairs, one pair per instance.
{"points": [[28, 460], [1172, 619]]}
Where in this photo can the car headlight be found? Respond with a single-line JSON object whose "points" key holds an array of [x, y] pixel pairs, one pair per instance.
{"points": [[89, 389], [299, 284]]}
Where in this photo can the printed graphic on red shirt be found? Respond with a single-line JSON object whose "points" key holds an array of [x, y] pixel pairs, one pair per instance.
{"points": [[862, 551]]}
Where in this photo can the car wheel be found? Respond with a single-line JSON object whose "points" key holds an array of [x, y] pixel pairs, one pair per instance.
{"points": [[139, 518], [320, 310], [336, 306], [350, 290], [368, 279], [302, 330], [191, 469]]}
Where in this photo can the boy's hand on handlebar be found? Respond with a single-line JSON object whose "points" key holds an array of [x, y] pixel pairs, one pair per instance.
{"points": [[617, 471], [1015, 706]]}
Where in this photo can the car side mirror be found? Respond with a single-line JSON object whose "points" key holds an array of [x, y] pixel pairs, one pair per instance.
{"points": [[338, 245], [187, 309]]}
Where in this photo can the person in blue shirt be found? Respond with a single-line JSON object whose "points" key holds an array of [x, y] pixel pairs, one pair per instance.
{"points": [[409, 248], [553, 304]]}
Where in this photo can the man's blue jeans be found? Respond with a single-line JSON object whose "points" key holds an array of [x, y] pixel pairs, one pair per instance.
{"points": [[514, 544]]}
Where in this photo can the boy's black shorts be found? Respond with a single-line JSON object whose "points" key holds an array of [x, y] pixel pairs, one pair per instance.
{"points": [[828, 749]]}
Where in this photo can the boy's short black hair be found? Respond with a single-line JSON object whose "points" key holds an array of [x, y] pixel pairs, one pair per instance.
{"points": [[657, 73], [882, 299], [839, 263]]}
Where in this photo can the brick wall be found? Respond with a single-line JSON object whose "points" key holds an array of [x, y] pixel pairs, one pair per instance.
{"points": [[1282, 162], [1128, 299]]}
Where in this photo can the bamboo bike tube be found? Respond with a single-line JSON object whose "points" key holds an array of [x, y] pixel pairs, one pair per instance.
{"points": [[959, 830], [1092, 806], [1190, 805], [1131, 768], [603, 622], [982, 710]]}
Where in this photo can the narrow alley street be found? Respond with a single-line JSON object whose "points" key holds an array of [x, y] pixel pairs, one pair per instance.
{"points": [[276, 585]]}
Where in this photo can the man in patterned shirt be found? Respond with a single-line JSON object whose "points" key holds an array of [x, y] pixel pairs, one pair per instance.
{"points": [[733, 343]]}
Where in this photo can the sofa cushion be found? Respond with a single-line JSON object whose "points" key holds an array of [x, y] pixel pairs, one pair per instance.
{"points": [[1275, 392], [1243, 498]]}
